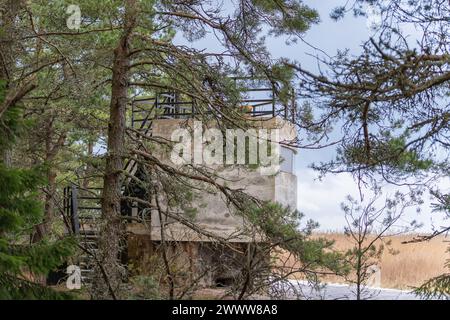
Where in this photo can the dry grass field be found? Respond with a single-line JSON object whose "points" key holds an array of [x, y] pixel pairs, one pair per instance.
{"points": [[411, 266]]}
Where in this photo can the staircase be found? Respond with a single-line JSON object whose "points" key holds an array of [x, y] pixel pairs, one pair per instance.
{"points": [[83, 204]]}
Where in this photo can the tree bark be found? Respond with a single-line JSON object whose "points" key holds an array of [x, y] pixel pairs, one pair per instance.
{"points": [[14, 91], [52, 148], [6, 44], [112, 229]]}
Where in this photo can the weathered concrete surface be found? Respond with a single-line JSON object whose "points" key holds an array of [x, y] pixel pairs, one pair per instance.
{"points": [[213, 214], [285, 192]]}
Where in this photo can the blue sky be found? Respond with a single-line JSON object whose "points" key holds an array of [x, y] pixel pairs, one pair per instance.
{"points": [[320, 200]]}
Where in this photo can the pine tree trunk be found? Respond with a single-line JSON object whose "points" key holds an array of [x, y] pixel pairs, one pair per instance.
{"points": [[108, 280], [6, 43]]}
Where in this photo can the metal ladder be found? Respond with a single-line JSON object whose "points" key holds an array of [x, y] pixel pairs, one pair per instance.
{"points": [[83, 205]]}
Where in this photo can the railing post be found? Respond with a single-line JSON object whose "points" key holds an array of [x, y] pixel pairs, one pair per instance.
{"points": [[273, 101], [156, 106], [175, 103], [65, 205], [74, 209], [132, 115]]}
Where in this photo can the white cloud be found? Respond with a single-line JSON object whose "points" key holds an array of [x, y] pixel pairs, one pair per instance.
{"points": [[320, 200]]}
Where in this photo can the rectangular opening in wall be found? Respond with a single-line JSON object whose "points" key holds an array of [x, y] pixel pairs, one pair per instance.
{"points": [[287, 159]]}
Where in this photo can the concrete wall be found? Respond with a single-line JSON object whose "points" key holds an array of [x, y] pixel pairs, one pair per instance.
{"points": [[213, 213]]}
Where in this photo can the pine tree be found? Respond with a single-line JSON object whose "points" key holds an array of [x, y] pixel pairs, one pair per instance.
{"points": [[392, 103], [20, 209], [439, 286]]}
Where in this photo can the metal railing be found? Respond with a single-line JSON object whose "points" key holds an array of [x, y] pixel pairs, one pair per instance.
{"points": [[256, 102], [82, 204]]}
